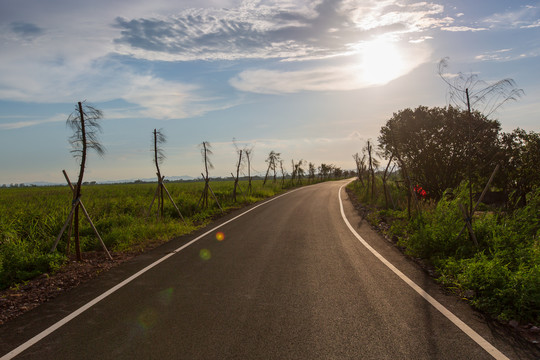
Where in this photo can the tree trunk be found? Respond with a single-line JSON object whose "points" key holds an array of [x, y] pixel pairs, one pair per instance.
{"points": [[79, 184], [160, 185], [237, 175], [205, 192], [267, 171], [248, 155], [385, 174]]}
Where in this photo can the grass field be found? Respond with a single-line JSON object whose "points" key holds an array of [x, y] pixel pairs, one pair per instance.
{"points": [[32, 217]]}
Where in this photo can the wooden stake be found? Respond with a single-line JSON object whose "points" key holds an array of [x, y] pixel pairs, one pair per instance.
{"points": [[481, 196], [68, 221], [242, 191], [468, 224], [214, 195], [170, 198], [88, 217]]}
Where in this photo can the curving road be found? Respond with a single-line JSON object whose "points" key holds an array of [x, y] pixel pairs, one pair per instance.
{"points": [[289, 280]]}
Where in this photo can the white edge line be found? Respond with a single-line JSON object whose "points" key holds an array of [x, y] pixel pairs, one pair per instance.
{"points": [[492, 350], [93, 302]]}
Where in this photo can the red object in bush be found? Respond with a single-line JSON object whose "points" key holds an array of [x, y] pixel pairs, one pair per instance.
{"points": [[420, 191]]}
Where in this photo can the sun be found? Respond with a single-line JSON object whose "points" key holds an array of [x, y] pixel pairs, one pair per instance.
{"points": [[381, 62]]}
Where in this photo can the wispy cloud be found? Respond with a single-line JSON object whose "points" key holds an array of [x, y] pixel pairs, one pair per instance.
{"points": [[461, 29], [506, 55], [18, 124], [525, 17], [533, 25]]}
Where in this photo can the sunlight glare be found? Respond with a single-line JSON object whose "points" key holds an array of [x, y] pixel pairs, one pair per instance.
{"points": [[381, 62]]}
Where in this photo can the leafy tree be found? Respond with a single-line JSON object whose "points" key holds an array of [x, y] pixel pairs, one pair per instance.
{"points": [[84, 121], [432, 143], [521, 156]]}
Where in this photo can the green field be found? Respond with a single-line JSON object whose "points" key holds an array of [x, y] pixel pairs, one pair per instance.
{"points": [[31, 218]]}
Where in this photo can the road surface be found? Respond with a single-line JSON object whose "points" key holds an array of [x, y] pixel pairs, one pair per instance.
{"points": [[287, 280]]}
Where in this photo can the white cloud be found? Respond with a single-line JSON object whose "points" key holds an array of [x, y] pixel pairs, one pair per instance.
{"points": [[461, 29], [376, 63], [272, 29], [63, 58]]}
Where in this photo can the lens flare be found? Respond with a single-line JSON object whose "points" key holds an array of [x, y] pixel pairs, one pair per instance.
{"points": [[147, 319], [165, 296], [220, 236], [205, 254]]}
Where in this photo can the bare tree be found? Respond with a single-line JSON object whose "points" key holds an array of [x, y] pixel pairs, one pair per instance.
{"points": [[468, 92], [360, 166], [311, 170], [272, 160], [238, 165], [299, 171], [282, 173], [372, 164], [206, 152], [84, 121], [158, 139], [159, 155], [248, 152]]}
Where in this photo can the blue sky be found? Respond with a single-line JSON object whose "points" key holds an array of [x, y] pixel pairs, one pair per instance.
{"points": [[311, 80]]}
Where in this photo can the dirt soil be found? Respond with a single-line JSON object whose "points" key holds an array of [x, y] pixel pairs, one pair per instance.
{"points": [[24, 297]]}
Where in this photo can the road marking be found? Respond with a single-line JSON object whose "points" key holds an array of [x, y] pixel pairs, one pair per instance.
{"points": [[492, 350], [91, 303]]}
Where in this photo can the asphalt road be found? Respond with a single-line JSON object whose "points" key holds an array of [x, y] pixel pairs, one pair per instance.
{"points": [[288, 281]]}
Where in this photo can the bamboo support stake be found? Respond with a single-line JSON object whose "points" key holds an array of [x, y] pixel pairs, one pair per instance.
{"points": [[176, 207], [154, 199], [88, 218], [214, 195], [95, 230], [68, 221], [468, 224], [242, 191], [481, 196]]}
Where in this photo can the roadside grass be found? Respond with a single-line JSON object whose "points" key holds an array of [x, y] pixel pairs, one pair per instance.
{"points": [[500, 277], [31, 218]]}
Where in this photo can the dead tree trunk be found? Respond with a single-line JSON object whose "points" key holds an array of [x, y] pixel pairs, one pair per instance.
{"points": [[237, 175], [158, 173], [77, 195], [248, 158], [385, 174]]}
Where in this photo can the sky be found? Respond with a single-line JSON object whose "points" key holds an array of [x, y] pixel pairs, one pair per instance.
{"points": [[311, 80]]}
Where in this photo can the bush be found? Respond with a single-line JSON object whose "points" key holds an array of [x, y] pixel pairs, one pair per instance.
{"points": [[20, 262]]}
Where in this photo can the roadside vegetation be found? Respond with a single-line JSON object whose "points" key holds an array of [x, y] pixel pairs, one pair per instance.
{"points": [[435, 167], [31, 218]]}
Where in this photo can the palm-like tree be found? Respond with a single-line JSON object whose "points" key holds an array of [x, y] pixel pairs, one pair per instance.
{"points": [[84, 121]]}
